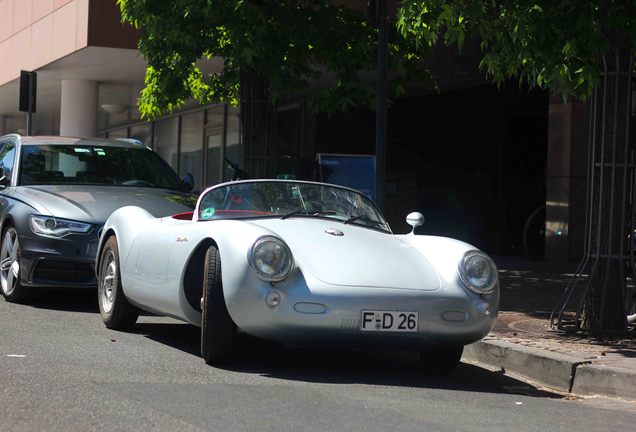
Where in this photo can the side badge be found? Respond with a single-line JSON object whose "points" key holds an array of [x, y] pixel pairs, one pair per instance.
{"points": [[334, 232], [182, 239]]}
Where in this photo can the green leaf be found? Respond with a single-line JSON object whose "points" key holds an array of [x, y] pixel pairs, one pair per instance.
{"points": [[537, 8]]}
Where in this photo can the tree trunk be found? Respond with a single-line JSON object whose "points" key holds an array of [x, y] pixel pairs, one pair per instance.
{"points": [[254, 117]]}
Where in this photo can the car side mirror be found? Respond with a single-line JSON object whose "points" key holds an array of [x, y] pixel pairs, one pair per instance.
{"points": [[188, 182], [415, 219]]}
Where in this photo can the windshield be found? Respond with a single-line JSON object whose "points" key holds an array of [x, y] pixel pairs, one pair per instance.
{"points": [[103, 165], [289, 199]]}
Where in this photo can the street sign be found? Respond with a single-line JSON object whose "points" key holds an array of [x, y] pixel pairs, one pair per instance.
{"points": [[354, 171], [28, 90]]}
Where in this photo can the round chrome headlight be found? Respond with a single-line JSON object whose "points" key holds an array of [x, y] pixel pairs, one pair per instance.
{"points": [[271, 259], [478, 272]]}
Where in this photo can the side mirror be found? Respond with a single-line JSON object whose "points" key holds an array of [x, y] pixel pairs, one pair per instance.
{"points": [[188, 182], [415, 219]]}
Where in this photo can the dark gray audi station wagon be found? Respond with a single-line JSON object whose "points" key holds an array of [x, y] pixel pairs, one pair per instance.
{"points": [[55, 195]]}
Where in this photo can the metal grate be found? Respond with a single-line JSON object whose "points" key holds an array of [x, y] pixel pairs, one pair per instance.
{"points": [[61, 272], [596, 297]]}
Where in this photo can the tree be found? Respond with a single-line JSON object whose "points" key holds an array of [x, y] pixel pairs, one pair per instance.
{"points": [[580, 48], [271, 49]]}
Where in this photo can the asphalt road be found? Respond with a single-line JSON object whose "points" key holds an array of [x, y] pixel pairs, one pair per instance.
{"points": [[61, 369]]}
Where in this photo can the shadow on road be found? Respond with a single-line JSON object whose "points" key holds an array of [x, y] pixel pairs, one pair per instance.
{"points": [[67, 299], [340, 367], [184, 337], [83, 300]]}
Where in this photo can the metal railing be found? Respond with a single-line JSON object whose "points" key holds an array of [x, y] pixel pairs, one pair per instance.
{"points": [[596, 299]]}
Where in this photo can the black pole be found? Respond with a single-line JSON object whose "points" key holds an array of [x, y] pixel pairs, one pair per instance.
{"points": [[380, 117], [30, 110], [28, 91]]}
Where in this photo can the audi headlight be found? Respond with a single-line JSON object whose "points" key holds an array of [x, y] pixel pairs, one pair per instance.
{"points": [[271, 259], [478, 272], [49, 226]]}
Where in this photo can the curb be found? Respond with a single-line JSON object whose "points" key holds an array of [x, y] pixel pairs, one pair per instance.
{"points": [[558, 371], [549, 368], [605, 380]]}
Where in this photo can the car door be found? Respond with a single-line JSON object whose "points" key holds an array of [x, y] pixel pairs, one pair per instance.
{"points": [[147, 267]]}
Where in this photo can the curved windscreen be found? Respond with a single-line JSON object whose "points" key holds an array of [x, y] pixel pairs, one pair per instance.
{"points": [[105, 165], [289, 199]]}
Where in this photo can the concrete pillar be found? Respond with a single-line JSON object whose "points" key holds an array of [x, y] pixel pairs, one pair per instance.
{"points": [[566, 181], [78, 111], [3, 129]]}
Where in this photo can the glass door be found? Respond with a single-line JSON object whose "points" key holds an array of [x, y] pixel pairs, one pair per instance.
{"points": [[214, 145]]}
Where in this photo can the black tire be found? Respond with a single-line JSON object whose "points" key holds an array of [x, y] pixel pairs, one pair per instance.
{"points": [[218, 331], [117, 313], [440, 360], [11, 269]]}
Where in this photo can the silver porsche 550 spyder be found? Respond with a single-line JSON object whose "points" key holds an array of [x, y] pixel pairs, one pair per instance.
{"points": [[296, 262]]}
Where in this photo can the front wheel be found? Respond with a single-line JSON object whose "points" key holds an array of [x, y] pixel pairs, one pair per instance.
{"points": [[12, 288], [218, 331], [117, 313], [440, 360]]}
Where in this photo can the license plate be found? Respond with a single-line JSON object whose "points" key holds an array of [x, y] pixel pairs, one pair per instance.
{"points": [[390, 321]]}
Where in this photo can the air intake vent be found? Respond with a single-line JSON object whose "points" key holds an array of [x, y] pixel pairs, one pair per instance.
{"points": [[60, 272]]}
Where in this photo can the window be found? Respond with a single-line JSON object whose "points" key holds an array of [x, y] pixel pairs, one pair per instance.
{"points": [[7, 156], [232, 142], [103, 165], [214, 144], [191, 155], [167, 140], [222, 143]]}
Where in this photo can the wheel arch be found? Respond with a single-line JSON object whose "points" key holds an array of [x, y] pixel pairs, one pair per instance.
{"points": [[102, 241], [7, 221], [16, 211], [193, 275]]}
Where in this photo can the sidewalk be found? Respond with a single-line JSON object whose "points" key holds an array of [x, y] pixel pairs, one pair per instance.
{"points": [[522, 343]]}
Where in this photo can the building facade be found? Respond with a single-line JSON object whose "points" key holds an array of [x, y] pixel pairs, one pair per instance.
{"points": [[89, 77]]}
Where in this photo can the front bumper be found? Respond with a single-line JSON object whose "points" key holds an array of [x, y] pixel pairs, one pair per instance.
{"points": [[450, 316], [63, 262]]}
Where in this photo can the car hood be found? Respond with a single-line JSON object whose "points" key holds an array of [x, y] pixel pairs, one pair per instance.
{"points": [[359, 257], [93, 204]]}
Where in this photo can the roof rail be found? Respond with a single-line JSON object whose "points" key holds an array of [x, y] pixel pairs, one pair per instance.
{"points": [[132, 141], [12, 135]]}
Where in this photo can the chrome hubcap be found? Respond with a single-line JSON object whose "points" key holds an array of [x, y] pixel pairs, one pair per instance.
{"points": [[9, 262], [108, 284]]}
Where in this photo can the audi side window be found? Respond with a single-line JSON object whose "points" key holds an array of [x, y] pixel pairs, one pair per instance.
{"points": [[7, 158]]}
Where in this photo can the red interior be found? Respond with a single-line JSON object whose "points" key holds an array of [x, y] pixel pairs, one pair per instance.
{"points": [[188, 215], [183, 216], [244, 211]]}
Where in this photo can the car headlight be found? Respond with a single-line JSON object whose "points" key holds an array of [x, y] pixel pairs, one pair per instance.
{"points": [[478, 272], [50, 226], [271, 259]]}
